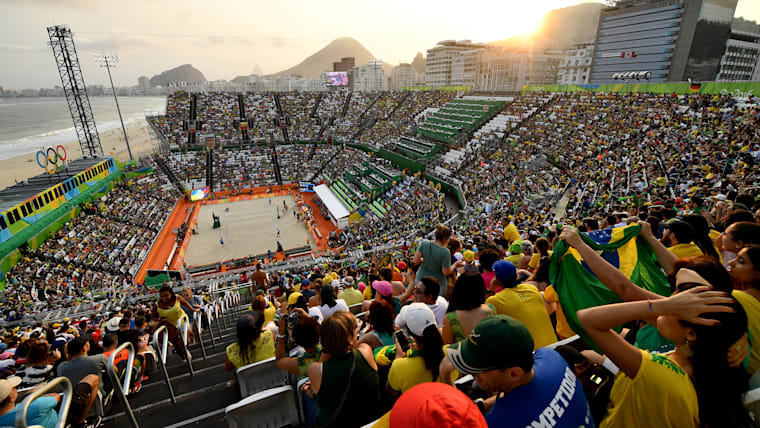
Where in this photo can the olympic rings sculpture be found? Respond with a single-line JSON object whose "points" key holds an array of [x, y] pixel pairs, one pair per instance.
{"points": [[51, 157]]}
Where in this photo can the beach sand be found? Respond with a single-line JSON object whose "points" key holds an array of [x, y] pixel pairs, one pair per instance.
{"points": [[140, 141]]}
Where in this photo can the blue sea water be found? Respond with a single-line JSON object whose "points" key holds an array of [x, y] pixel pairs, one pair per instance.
{"points": [[29, 124]]}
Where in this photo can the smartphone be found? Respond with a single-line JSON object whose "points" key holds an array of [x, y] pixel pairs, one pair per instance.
{"points": [[403, 342]]}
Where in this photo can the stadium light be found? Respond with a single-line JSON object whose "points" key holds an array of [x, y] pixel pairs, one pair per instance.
{"points": [[109, 60]]}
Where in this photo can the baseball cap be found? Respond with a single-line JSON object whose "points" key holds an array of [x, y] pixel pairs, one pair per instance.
{"points": [[683, 230], [416, 317], [335, 283], [383, 287], [505, 272], [402, 266], [361, 286], [516, 247], [7, 385], [349, 281], [293, 298], [468, 256], [497, 342], [305, 282], [435, 404]]}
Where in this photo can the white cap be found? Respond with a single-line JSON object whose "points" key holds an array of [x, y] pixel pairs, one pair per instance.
{"points": [[7, 385], [335, 283], [415, 318]]}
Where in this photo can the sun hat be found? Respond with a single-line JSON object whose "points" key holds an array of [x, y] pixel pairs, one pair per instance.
{"points": [[383, 287], [113, 324], [7, 385], [293, 298], [498, 341], [435, 405], [416, 317]]}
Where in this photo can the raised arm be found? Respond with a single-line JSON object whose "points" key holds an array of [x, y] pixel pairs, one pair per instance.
{"points": [[664, 256], [615, 280]]}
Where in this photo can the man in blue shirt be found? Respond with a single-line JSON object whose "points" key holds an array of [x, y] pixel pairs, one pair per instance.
{"points": [[41, 411], [532, 389]]}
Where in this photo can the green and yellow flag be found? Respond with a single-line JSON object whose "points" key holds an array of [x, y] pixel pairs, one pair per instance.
{"points": [[578, 288]]}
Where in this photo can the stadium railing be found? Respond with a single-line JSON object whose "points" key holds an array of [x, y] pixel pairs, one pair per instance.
{"points": [[122, 388], [52, 386]]}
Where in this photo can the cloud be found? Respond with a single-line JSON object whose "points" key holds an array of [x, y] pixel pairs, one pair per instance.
{"points": [[280, 43]]}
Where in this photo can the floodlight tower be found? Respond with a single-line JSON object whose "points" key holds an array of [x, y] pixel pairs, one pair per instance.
{"points": [[107, 61]]}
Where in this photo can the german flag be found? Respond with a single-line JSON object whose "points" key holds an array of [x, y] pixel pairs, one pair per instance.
{"points": [[695, 87]]}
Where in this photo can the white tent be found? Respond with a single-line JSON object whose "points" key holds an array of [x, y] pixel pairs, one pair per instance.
{"points": [[338, 212]]}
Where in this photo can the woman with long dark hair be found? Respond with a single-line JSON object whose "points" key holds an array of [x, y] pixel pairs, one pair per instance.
{"points": [[252, 344], [421, 363], [745, 270], [466, 308], [690, 386], [329, 303], [702, 235]]}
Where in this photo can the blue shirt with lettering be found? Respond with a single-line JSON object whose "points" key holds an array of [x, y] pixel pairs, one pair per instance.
{"points": [[553, 398]]}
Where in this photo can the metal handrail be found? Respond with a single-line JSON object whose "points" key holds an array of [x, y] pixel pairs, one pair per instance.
{"points": [[161, 349], [63, 412], [183, 325], [122, 389], [197, 320]]}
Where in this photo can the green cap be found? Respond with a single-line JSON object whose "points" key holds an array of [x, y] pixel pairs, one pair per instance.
{"points": [[516, 247], [497, 342]]}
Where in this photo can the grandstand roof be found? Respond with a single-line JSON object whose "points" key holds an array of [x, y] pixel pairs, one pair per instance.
{"points": [[27, 188]]}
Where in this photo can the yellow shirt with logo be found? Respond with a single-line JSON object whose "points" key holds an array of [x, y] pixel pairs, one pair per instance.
{"points": [[563, 328], [752, 308], [408, 372], [263, 348], [660, 396], [351, 296], [685, 250], [525, 304], [535, 259]]}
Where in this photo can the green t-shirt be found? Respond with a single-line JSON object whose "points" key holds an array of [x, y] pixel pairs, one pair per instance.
{"points": [[434, 258]]}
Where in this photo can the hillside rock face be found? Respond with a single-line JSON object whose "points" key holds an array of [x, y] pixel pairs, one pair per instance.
{"points": [[323, 59], [184, 73]]}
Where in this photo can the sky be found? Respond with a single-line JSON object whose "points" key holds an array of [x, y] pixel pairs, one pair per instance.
{"points": [[227, 38]]}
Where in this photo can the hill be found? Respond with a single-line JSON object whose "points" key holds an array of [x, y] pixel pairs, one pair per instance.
{"points": [[184, 73], [561, 28], [323, 59]]}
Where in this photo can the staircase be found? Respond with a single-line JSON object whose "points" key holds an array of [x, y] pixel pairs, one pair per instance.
{"points": [[170, 174], [361, 116], [283, 120], [200, 398], [193, 119], [241, 108], [396, 107], [276, 164], [313, 113], [346, 105]]}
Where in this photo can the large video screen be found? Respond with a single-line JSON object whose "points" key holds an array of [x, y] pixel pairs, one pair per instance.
{"points": [[337, 78]]}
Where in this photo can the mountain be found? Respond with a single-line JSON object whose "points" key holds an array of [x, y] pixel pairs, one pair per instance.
{"points": [[419, 63], [561, 28], [240, 79], [323, 59], [184, 73]]}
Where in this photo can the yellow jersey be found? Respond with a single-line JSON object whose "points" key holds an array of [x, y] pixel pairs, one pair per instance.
{"points": [[263, 348], [510, 233], [660, 396], [172, 314], [685, 250], [525, 304], [408, 372], [563, 328], [752, 308]]}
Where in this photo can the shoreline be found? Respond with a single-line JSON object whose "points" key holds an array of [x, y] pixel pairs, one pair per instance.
{"points": [[25, 166]]}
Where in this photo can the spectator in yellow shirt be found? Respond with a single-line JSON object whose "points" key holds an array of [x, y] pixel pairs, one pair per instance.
{"points": [[678, 236], [510, 230]]}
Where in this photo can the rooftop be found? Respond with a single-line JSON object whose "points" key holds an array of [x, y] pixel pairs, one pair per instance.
{"points": [[25, 189]]}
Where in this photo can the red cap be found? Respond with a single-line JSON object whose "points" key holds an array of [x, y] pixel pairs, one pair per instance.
{"points": [[435, 404], [401, 265]]}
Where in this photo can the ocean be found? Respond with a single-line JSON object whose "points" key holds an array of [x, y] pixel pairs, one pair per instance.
{"points": [[29, 124]]}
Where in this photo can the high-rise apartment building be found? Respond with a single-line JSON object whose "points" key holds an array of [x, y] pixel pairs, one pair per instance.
{"points": [[440, 58]]}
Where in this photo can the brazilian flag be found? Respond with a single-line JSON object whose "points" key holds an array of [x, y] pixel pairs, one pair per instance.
{"points": [[578, 288]]}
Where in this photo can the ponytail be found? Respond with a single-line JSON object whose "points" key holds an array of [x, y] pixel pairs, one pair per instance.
{"points": [[431, 349]]}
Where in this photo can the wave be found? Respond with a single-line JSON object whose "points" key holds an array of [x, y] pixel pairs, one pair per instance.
{"points": [[31, 144]]}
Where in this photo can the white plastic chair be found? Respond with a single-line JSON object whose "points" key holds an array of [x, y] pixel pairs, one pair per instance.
{"points": [[752, 403], [259, 376], [272, 408]]}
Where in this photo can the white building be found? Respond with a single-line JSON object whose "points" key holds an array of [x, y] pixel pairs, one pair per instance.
{"points": [[508, 70], [369, 77], [464, 67], [575, 67], [438, 67], [740, 59], [404, 75]]}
